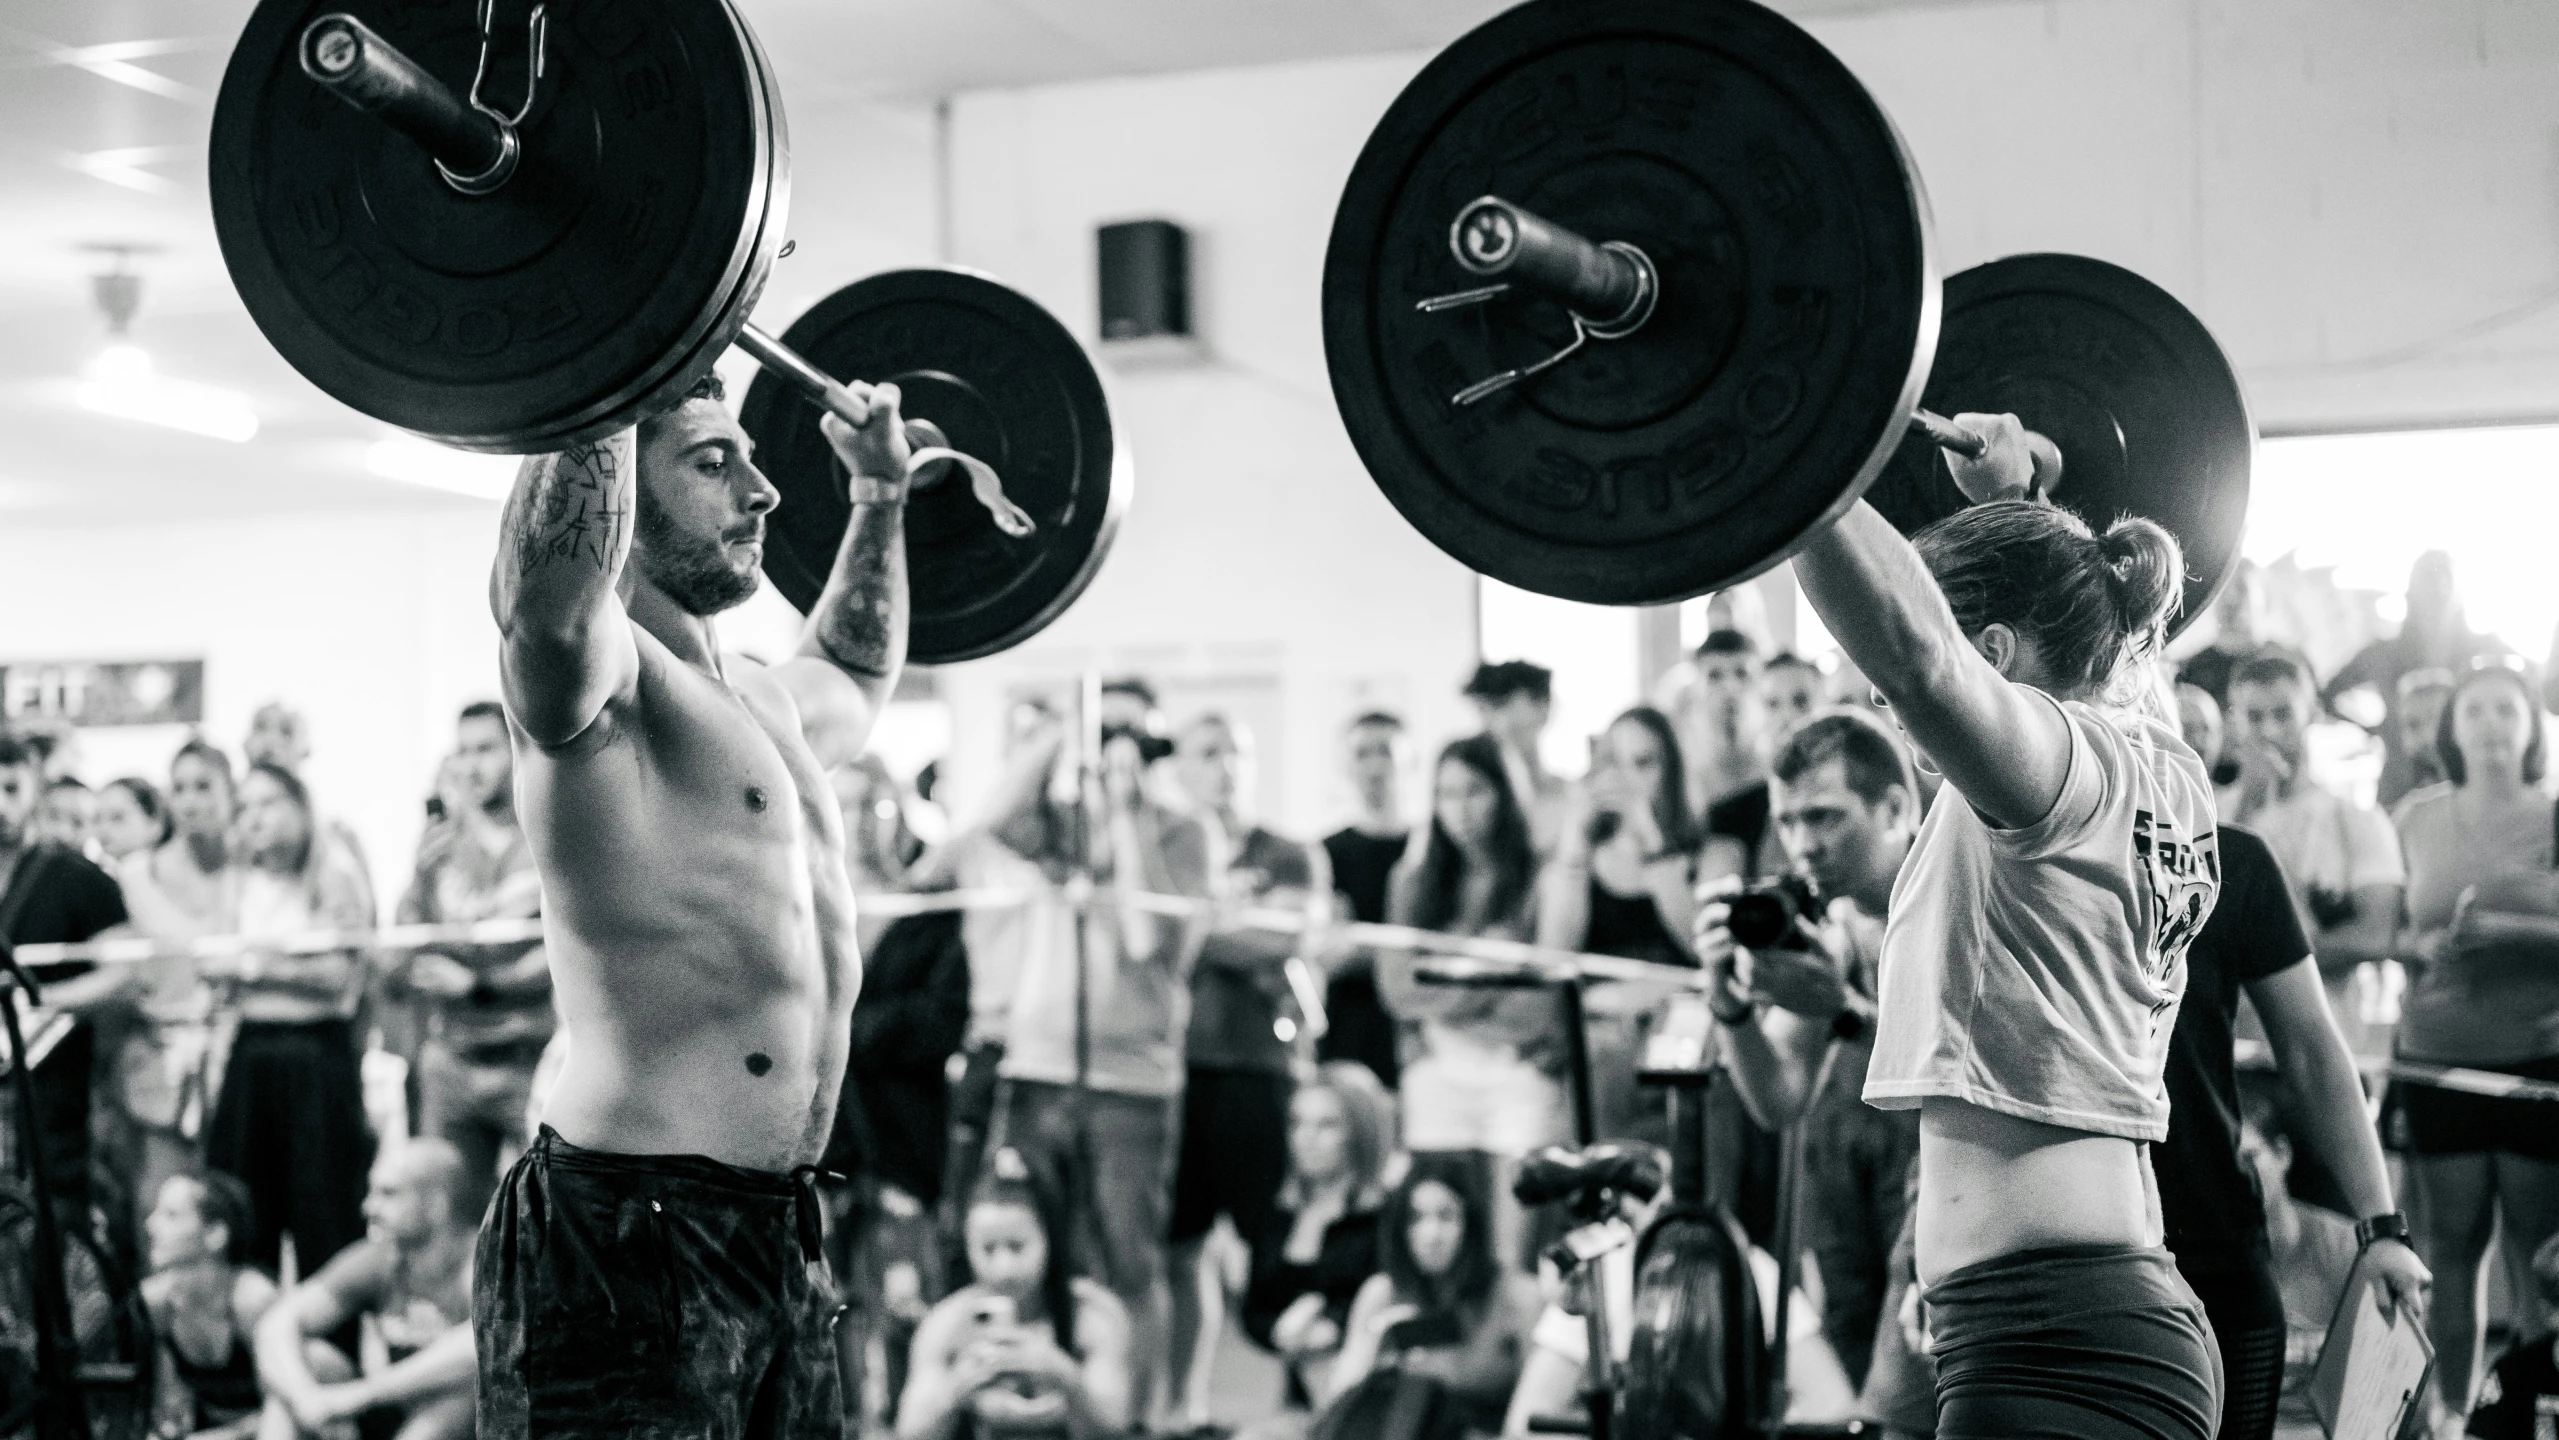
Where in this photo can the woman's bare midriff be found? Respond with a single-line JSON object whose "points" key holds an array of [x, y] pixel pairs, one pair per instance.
{"points": [[1993, 1184]]}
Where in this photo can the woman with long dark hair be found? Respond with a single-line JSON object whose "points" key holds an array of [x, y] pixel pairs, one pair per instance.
{"points": [[2483, 904], [1488, 1075], [290, 1121], [1622, 882], [1024, 1349], [2035, 954], [1442, 1306]]}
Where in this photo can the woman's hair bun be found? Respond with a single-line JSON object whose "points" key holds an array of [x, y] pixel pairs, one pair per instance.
{"points": [[2146, 571]]}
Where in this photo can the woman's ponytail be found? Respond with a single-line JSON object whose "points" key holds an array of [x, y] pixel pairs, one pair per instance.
{"points": [[2146, 574]]}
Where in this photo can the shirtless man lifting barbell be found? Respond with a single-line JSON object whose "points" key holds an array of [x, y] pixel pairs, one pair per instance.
{"points": [[651, 1265]]}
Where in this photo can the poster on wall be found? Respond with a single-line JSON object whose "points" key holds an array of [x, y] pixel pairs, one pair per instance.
{"points": [[87, 693]]}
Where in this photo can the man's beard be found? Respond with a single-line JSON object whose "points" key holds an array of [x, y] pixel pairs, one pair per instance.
{"points": [[693, 571]]}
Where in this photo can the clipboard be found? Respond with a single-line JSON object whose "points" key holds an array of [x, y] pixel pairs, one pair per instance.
{"points": [[2372, 1372]]}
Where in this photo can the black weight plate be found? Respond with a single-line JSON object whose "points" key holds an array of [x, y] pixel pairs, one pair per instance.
{"points": [[1006, 383], [2145, 408], [597, 283], [1797, 310]]}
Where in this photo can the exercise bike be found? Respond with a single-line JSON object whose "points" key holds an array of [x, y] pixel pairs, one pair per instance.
{"points": [[1700, 1362]]}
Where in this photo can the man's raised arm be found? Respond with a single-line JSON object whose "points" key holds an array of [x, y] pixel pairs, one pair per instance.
{"points": [[855, 642], [565, 644]]}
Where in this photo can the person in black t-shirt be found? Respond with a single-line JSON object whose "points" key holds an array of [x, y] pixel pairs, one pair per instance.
{"points": [[2213, 1215], [2521, 1401], [1363, 854], [53, 894]]}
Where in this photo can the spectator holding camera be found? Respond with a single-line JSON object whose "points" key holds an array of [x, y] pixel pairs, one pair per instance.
{"points": [[1846, 809]]}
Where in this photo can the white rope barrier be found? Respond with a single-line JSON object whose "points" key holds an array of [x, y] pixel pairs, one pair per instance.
{"points": [[2256, 1055], [1476, 957], [1552, 964]]}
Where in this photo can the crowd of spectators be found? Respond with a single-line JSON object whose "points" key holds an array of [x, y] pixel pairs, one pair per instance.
{"points": [[1078, 1136]]}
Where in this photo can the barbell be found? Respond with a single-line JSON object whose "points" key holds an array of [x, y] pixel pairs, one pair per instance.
{"points": [[1625, 299], [522, 275]]}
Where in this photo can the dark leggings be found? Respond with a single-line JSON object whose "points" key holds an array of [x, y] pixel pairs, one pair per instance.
{"points": [[2079, 1342], [2247, 1313]]}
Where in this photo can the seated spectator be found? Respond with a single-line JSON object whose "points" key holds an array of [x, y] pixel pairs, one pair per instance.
{"points": [[1442, 1308], [412, 1274], [1489, 1078], [132, 819], [205, 1301], [1309, 1265], [1024, 1349], [1622, 882], [2523, 1389], [290, 1121]]}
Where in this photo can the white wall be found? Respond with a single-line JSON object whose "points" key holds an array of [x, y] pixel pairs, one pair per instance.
{"points": [[2360, 197], [1257, 545], [375, 626]]}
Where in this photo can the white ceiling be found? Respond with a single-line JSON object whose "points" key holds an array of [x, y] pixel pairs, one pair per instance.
{"points": [[106, 105]]}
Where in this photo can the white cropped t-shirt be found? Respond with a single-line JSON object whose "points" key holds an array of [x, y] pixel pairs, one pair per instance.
{"points": [[2036, 972]]}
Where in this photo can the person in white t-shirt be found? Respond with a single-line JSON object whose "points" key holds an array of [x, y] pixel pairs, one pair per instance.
{"points": [[2341, 857], [2035, 955]]}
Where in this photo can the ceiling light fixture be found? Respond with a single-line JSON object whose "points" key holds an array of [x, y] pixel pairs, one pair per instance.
{"points": [[122, 382], [412, 461]]}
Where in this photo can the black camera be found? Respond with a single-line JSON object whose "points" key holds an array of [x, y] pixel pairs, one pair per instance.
{"points": [[1772, 916], [1151, 747], [2330, 908]]}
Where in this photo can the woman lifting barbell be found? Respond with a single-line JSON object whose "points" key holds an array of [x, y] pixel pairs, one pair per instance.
{"points": [[2036, 955]]}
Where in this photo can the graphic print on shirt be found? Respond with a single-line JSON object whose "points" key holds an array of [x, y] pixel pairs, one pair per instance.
{"points": [[2183, 875]]}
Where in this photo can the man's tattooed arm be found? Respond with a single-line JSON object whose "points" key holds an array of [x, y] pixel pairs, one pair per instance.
{"points": [[561, 548], [860, 622], [855, 643]]}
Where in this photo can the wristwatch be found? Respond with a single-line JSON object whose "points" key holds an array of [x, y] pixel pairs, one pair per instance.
{"points": [[2392, 1225], [1737, 1014]]}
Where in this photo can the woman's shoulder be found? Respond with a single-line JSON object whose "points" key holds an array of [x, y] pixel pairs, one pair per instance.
{"points": [[2423, 807], [1099, 1314], [1093, 1297]]}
